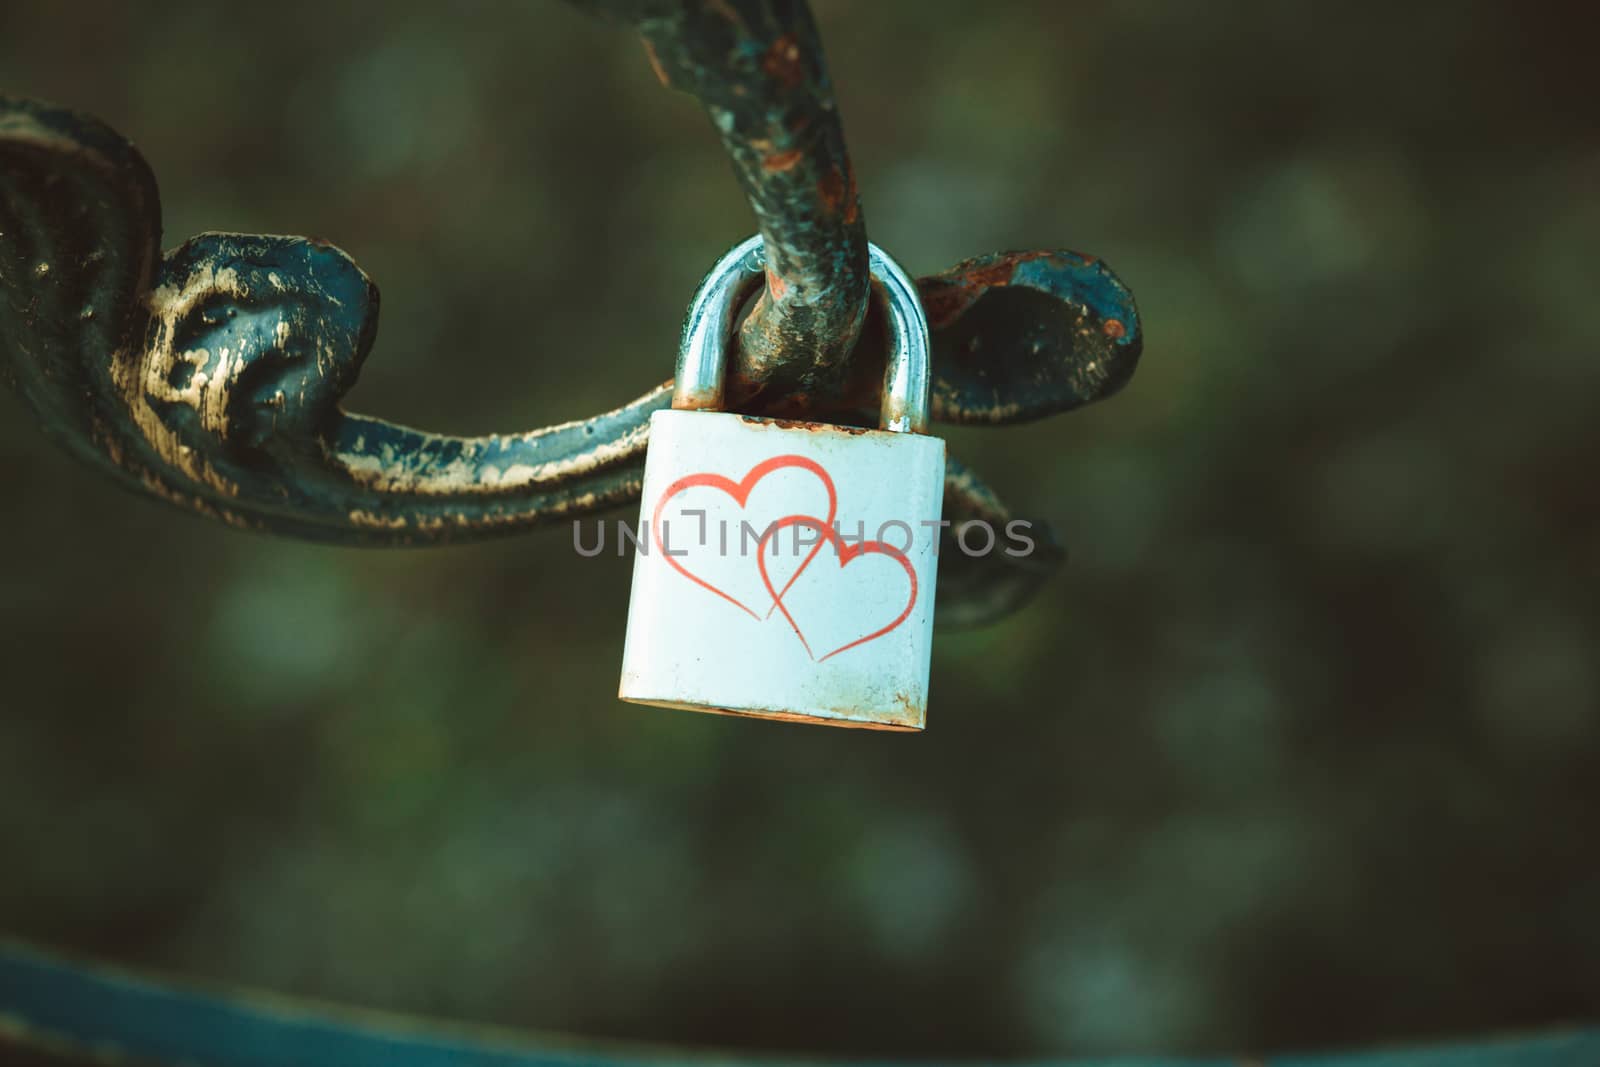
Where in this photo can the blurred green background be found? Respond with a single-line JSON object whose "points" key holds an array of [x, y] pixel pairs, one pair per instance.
{"points": [[1300, 750]]}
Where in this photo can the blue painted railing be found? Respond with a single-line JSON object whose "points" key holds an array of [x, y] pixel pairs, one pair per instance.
{"points": [[111, 1015]]}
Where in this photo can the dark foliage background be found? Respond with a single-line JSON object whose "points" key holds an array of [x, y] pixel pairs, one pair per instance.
{"points": [[1300, 750]]}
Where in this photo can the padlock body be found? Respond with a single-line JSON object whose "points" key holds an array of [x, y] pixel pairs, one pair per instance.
{"points": [[785, 570]]}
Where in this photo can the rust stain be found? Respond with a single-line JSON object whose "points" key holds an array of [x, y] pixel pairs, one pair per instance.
{"points": [[782, 161], [801, 424], [830, 189], [782, 62], [836, 717], [998, 273], [943, 303], [1002, 270], [776, 285], [838, 194], [1114, 329], [946, 298], [909, 709]]}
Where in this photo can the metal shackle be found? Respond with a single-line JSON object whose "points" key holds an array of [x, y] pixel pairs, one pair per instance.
{"points": [[702, 356]]}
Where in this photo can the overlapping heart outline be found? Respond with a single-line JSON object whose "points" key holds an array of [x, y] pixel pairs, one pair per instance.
{"points": [[740, 491], [846, 554]]}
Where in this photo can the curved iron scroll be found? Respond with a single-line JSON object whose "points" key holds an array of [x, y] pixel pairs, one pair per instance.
{"points": [[212, 376]]}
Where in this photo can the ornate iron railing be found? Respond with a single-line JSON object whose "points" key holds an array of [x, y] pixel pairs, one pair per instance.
{"points": [[212, 376]]}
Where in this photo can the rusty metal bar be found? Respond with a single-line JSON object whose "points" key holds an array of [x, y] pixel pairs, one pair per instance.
{"points": [[757, 68]]}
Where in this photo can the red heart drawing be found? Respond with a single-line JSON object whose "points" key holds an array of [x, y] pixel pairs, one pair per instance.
{"points": [[846, 554], [740, 491]]}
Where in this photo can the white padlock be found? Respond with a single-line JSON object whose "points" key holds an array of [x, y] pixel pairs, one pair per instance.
{"points": [[786, 569]]}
